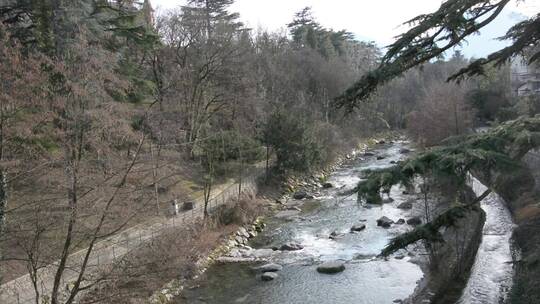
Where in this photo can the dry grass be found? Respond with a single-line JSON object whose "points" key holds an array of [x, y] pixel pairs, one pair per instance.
{"points": [[173, 255]]}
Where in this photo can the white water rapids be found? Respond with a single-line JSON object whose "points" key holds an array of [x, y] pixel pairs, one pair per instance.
{"points": [[491, 274]]}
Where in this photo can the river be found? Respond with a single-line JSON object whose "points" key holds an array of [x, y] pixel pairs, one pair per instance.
{"points": [[367, 279], [491, 274]]}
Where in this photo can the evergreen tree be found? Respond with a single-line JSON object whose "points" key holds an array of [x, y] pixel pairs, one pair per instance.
{"points": [[433, 34]]}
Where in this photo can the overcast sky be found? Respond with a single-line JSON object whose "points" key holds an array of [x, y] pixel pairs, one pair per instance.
{"points": [[372, 20]]}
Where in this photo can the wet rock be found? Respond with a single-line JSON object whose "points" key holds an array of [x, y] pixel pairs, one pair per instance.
{"points": [[335, 235], [406, 205], [269, 276], [328, 185], [381, 142], [393, 162], [387, 200], [400, 222], [358, 227], [381, 157], [331, 267], [367, 154], [404, 151], [398, 301], [298, 195], [309, 196], [291, 247], [271, 267], [414, 221], [384, 222], [294, 208], [399, 257]]}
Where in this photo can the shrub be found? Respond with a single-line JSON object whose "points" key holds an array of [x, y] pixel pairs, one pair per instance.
{"points": [[294, 141]]}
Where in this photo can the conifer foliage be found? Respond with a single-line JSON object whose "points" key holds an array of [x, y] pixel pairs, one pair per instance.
{"points": [[498, 151], [431, 35]]}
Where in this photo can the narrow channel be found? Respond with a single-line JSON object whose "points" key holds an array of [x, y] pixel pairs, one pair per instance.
{"points": [[491, 274]]}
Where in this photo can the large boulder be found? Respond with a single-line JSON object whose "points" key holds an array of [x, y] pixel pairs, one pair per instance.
{"points": [[298, 195], [331, 267], [384, 222], [291, 247], [270, 268], [414, 221], [269, 276], [358, 227], [406, 205]]}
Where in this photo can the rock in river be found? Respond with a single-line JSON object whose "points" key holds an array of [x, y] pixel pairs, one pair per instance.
{"points": [[414, 221], [331, 267], [384, 222], [358, 227], [328, 185], [300, 195], [270, 268], [269, 276], [291, 247], [406, 205]]}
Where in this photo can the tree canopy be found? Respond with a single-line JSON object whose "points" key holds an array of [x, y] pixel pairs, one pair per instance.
{"points": [[431, 35]]}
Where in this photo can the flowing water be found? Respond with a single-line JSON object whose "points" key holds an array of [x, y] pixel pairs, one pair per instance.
{"points": [[366, 279], [491, 275]]}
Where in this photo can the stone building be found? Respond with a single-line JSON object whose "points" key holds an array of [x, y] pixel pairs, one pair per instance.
{"points": [[525, 78]]}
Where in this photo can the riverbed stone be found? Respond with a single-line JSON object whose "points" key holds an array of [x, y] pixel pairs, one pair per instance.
{"points": [[242, 232], [406, 205], [331, 267], [298, 195], [335, 235], [291, 247], [269, 276], [358, 227], [414, 221], [240, 240], [271, 267], [400, 221], [328, 185], [366, 154], [381, 157], [384, 222], [387, 200], [404, 151]]}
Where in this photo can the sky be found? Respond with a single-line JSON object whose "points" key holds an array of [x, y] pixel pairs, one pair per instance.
{"points": [[369, 20]]}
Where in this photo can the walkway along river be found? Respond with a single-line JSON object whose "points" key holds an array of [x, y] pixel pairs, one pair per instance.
{"points": [[366, 280]]}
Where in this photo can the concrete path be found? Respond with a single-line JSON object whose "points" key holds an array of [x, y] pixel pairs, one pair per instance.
{"points": [[21, 291]]}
